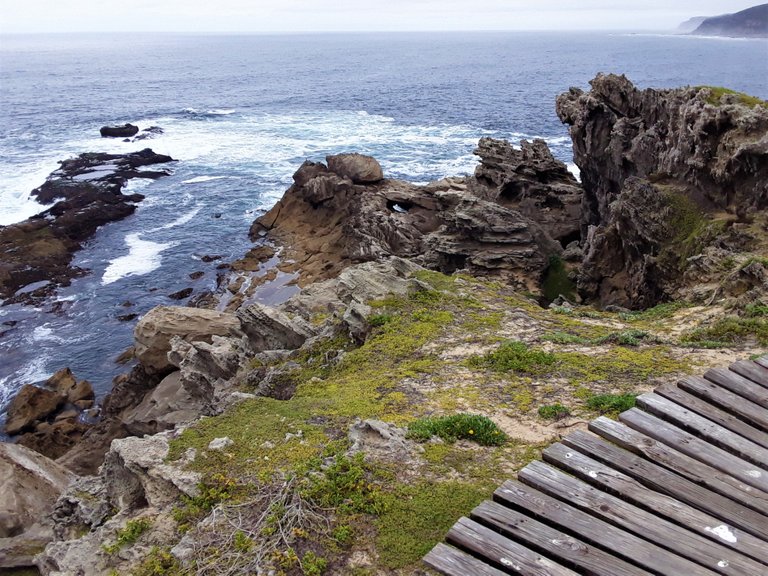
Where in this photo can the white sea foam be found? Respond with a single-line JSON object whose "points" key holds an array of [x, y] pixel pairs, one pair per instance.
{"points": [[45, 333], [143, 257], [573, 169], [181, 220], [33, 371], [198, 179]]}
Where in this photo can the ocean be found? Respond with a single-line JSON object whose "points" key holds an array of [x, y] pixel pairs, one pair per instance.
{"points": [[241, 113]]}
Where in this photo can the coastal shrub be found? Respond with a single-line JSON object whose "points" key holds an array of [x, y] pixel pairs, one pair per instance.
{"points": [[658, 312], [554, 411], [128, 534], [625, 338], [717, 92], [346, 485], [730, 330], [756, 310], [159, 562], [477, 428], [379, 319], [217, 488], [514, 356], [313, 565], [611, 404], [556, 281]]}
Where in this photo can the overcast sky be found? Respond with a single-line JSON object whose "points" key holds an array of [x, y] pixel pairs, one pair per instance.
{"points": [[350, 15]]}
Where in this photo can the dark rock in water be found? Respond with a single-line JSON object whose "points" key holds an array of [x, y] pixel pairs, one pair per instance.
{"points": [[181, 294], [126, 130], [196, 275], [326, 221], [149, 133], [700, 155], [127, 317], [208, 258], [87, 194]]}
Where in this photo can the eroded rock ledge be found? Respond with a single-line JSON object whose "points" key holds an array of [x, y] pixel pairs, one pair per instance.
{"points": [[85, 193]]}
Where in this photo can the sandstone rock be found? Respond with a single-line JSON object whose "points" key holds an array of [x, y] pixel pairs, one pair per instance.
{"points": [[30, 484], [82, 507], [80, 392], [31, 405], [166, 406], [359, 168], [154, 331], [380, 440], [62, 381], [270, 329]]}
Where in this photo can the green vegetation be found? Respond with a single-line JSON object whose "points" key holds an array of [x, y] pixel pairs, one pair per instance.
{"points": [[473, 427], [717, 92], [514, 356], [611, 404], [418, 516], [554, 411], [128, 534], [625, 337], [565, 338], [347, 485], [730, 330], [159, 562], [756, 310], [556, 281], [216, 489]]}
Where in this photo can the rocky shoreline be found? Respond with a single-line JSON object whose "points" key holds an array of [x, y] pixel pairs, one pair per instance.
{"points": [[410, 296]]}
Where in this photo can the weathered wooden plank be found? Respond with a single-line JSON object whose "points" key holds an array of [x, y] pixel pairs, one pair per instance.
{"points": [[713, 413], [677, 539], [704, 428], [630, 490], [750, 412], [696, 448], [738, 384], [562, 547], [763, 361], [751, 370], [595, 531], [734, 502], [498, 551], [452, 562]]}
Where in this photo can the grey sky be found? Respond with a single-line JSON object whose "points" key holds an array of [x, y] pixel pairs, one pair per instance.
{"points": [[350, 15]]}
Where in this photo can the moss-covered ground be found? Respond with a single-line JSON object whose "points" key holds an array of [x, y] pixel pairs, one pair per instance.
{"points": [[461, 346]]}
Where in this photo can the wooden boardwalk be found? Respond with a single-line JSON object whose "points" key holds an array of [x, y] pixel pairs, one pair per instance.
{"points": [[678, 486]]}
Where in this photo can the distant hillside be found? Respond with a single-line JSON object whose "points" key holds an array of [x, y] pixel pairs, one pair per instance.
{"points": [[691, 24], [750, 22]]}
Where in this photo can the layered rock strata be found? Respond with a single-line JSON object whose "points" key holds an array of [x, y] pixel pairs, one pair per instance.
{"points": [[332, 216]]}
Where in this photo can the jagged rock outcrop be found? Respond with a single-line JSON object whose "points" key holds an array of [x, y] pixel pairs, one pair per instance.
{"points": [[30, 483], [533, 182], [699, 156], [327, 221], [35, 255]]}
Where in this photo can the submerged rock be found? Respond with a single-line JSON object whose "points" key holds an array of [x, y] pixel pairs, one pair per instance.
{"points": [[124, 131]]}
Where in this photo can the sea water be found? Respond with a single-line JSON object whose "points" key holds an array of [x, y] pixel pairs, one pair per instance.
{"points": [[241, 113]]}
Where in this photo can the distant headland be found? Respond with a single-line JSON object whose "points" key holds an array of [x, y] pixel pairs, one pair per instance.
{"points": [[752, 22]]}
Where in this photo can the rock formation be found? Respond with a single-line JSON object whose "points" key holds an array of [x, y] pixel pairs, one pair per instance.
{"points": [[124, 131], [698, 156], [344, 213], [30, 483], [85, 193]]}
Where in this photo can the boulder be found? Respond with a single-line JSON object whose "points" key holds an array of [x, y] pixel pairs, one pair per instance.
{"points": [[359, 168], [124, 131], [269, 329], [30, 483], [154, 331], [166, 406], [30, 406]]}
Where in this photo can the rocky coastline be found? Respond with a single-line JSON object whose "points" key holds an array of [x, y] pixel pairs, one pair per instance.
{"points": [[500, 293]]}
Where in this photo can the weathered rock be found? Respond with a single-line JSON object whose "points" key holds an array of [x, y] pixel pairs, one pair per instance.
{"points": [[711, 156], [30, 484], [270, 329], [327, 223], [55, 439], [533, 182], [154, 331], [31, 405], [35, 255], [82, 507], [166, 406], [124, 131], [359, 168], [380, 441], [181, 294]]}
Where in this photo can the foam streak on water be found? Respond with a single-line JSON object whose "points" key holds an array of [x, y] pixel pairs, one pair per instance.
{"points": [[143, 257]]}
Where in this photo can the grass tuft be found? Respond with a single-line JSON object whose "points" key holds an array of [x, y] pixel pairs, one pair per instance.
{"points": [[480, 429], [514, 356]]}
